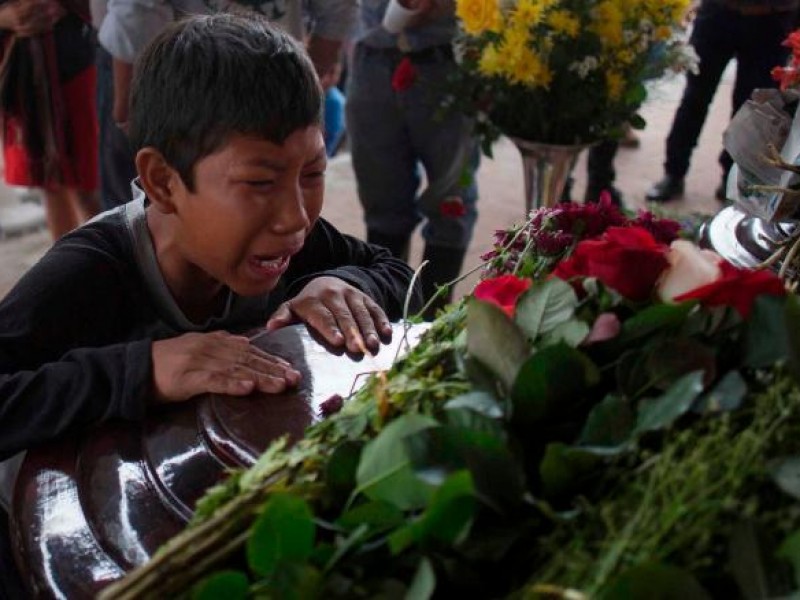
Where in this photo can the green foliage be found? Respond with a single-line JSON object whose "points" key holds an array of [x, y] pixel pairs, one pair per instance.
{"points": [[284, 532], [521, 456], [231, 585], [384, 471]]}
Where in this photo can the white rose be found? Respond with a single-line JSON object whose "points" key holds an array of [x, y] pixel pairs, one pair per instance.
{"points": [[689, 268]]}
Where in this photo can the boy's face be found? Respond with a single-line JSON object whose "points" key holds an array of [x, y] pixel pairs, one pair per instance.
{"points": [[254, 202]]}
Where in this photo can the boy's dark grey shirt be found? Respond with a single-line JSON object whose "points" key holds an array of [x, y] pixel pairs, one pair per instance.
{"points": [[76, 330]]}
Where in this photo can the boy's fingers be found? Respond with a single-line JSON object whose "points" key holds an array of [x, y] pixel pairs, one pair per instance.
{"points": [[324, 322], [221, 383], [266, 367], [366, 325], [281, 317]]}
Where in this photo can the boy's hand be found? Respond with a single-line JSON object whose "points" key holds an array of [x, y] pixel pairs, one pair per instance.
{"points": [[340, 313], [218, 362]]}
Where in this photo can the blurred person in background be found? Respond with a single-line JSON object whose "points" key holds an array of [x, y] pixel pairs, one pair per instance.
{"points": [[47, 96], [395, 130], [126, 26], [751, 31]]}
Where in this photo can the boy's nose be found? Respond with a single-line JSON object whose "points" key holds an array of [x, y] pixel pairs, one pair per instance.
{"points": [[291, 215]]}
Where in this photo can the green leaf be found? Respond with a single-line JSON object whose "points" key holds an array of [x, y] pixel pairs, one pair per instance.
{"points": [[231, 585], [671, 358], [766, 335], [553, 378], [424, 582], [496, 474], [384, 472], [654, 582], [785, 473], [340, 471], [482, 403], [565, 468], [637, 121], [284, 531], [656, 318], [661, 412], [495, 341], [727, 395], [544, 307], [610, 423], [748, 551], [447, 517], [377, 516], [790, 550], [571, 332], [793, 331], [293, 581]]}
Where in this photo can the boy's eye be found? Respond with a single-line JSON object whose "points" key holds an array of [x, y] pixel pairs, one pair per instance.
{"points": [[260, 182]]}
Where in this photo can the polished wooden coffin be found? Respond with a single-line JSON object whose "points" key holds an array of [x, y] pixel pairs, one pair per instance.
{"points": [[86, 510]]}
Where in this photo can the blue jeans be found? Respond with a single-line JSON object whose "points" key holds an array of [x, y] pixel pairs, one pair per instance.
{"points": [[395, 135]]}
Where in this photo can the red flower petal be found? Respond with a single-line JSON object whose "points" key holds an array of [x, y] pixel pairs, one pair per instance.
{"points": [[404, 76], [738, 288], [503, 291], [626, 259]]}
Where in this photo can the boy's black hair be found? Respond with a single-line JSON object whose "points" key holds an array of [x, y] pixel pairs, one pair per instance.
{"points": [[207, 77]]}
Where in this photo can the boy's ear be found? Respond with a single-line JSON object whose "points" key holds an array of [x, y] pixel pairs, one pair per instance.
{"points": [[159, 180]]}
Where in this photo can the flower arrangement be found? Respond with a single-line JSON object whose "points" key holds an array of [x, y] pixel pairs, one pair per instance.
{"points": [[611, 413], [789, 76], [563, 71]]}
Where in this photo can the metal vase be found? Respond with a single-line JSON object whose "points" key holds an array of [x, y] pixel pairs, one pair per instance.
{"points": [[546, 168]]}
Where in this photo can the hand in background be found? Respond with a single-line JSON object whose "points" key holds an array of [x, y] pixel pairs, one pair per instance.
{"points": [[218, 362], [27, 18], [340, 313]]}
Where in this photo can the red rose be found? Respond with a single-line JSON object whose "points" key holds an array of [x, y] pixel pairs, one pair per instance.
{"points": [[626, 259], [737, 288], [452, 207], [786, 76], [503, 291], [404, 75]]}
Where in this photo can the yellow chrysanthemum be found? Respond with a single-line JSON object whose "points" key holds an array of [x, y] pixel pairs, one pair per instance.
{"points": [[478, 16], [490, 63], [615, 85], [608, 24], [516, 39], [527, 13], [564, 23]]}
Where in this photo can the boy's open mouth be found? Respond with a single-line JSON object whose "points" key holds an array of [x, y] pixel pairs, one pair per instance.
{"points": [[270, 263]]}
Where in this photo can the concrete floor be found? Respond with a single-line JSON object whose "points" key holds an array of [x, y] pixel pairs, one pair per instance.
{"points": [[499, 180]]}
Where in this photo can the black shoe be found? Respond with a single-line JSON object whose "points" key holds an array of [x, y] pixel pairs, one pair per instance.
{"points": [[443, 267], [665, 190]]}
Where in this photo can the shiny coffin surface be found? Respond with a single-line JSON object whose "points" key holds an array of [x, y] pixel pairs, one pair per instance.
{"points": [[87, 510]]}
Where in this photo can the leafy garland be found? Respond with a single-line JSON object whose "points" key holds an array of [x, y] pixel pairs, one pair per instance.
{"points": [[548, 437]]}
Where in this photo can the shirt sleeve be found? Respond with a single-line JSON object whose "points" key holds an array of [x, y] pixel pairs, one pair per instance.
{"points": [[59, 372], [373, 270], [129, 25], [334, 19]]}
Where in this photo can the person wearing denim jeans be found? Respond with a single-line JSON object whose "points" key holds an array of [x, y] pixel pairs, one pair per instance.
{"points": [[398, 133], [750, 31]]}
